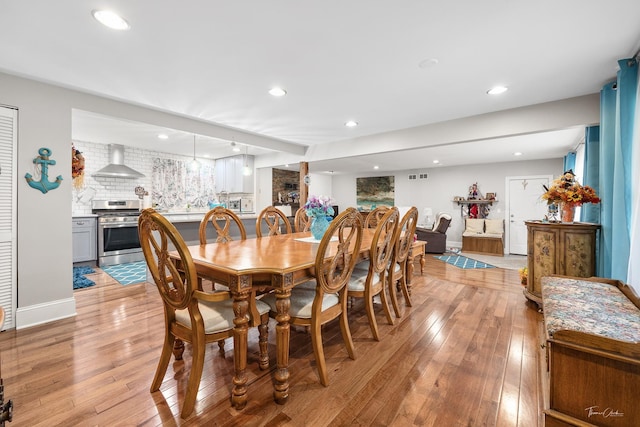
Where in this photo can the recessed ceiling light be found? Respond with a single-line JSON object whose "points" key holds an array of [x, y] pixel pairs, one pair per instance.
{"points": [[163, 136], [517, 153], [436, 162], [277, 91], [351, 124], [428, 63], [497, 90], [376, 167], [287, 165], [111, 19]]}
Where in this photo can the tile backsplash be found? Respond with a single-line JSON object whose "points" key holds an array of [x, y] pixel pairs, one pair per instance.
{"points": [[97, 156]]}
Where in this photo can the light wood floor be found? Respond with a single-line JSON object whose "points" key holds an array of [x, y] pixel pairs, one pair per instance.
{"points": [[465, 354]]}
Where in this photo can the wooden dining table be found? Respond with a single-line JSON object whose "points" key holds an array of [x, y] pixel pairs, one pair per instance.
{"points": [[277, 263]]}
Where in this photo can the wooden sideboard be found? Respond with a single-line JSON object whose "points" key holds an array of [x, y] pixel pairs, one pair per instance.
{"points": [[559, 248]]}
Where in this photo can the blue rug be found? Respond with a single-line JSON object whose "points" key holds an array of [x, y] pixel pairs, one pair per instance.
{"points": [[126, 274], [462, 261], [79, 281]]}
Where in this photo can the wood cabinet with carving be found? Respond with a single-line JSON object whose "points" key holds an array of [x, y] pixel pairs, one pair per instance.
{"points": [[558, 248]]}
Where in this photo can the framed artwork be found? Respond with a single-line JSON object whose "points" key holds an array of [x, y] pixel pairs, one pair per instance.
{"points": [[490, 196], [375, 191]]}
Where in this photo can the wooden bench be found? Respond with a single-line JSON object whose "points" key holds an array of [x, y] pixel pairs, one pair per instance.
{"points": [[592, 334], [483, 236]]}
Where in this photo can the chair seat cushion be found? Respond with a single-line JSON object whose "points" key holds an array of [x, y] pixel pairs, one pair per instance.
{"points": [[359, 279], [302, 301], [218, 316]]}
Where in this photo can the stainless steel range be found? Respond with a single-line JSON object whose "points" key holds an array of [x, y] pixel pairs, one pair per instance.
{"points": [[118, 241]]}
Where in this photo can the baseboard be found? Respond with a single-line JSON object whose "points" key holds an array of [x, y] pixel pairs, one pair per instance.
{"points": [[43, 313]]}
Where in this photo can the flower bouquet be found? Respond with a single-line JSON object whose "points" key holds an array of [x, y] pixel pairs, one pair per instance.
{"points": [[318, 206], [567, 192], [318, 209]]}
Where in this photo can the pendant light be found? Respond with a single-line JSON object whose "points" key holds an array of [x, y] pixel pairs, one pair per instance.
{"points": [[246, 170], [195, 164]]}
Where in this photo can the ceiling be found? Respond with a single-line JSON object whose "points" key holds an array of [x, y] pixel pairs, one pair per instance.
{"points": [[388, 66]]}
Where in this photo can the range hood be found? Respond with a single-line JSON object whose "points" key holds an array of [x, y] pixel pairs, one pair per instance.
{"points": [[116, 167]]}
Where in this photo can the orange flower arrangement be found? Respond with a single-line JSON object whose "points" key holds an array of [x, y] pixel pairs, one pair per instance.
{"points": [[569, 191]]}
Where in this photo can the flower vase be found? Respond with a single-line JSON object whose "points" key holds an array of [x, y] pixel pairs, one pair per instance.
{"points": [[319, 225], [568, 212]]}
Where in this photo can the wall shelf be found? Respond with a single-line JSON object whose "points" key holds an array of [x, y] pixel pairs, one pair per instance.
{"points": [[467, 202]]}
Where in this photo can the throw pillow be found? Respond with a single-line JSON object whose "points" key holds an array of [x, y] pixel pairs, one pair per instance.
{"points": [[494, 226], [443, 225], [475, 225]]}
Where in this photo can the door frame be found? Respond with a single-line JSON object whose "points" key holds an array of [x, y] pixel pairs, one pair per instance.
{"points": [[507, 207]]}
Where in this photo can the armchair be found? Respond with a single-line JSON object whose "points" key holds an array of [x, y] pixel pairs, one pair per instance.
{"points": [[436, 238]]}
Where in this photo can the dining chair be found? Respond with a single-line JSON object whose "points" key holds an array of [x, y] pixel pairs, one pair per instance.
{"points": [[222, 220], [368, 278], [397, 271], [317, 302], [375, 216], [274, 219], [301, 222], [190, 315]]}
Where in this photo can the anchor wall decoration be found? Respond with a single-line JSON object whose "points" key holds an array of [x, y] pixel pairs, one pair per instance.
{"points": [[43, 162]]}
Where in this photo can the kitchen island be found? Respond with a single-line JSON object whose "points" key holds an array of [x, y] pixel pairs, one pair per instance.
{"points": [[188, 224]]}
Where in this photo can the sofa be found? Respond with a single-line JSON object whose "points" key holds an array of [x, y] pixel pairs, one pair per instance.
{"points": [[436, 237]]}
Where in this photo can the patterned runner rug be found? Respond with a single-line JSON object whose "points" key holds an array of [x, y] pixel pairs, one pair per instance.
{"points": [[462, 261], [126, 274]]}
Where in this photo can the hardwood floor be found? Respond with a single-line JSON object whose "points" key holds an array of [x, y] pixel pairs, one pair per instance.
{"points": [[465, 354]]}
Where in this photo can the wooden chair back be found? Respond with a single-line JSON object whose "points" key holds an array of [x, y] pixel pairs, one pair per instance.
{"points": [[375, 216], [396, 274], [302, 222], [274, 219], [222, 220], [333, 273], [382, 243]]}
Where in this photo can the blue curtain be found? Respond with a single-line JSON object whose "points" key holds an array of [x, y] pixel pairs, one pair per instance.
{"points": [[570, 161], [591, 174], [617, 111]]}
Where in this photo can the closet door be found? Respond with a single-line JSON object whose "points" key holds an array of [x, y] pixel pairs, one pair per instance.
{"points": [[8, 232]]}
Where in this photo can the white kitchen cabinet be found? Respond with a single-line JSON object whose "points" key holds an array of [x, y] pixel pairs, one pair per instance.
{"points": [[84, 239], [230, 177]]}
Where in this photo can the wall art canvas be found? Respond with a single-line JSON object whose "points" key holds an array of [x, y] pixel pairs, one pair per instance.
{"points": [[372, 192]]}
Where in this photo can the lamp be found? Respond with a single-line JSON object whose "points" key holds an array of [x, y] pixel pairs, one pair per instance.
{"points": [[428, 217], [195, 164], [246, 170]]}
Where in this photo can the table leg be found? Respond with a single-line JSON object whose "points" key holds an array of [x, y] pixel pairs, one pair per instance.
{"points": [[281, 384], [240, 308], [409, 269], [422, 263]]}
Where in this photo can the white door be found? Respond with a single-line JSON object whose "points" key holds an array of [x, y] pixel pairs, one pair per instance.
{"points": [[8, 232], [524, 204]]}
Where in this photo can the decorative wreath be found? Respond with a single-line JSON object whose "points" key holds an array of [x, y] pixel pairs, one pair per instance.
{"points": [[77, 167]]}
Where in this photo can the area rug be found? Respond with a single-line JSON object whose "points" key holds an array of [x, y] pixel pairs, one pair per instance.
{"points": [[79, 281], [462, 261], [126, 274]]}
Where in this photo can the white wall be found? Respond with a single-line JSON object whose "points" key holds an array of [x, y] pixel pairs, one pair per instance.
{"points": [[444, 183]]}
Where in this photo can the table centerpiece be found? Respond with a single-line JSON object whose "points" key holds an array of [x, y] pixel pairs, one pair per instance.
{"points": [[567, 192], [320, 211]]}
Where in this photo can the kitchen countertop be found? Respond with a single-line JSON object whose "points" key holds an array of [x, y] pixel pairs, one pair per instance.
{"points": [[192, 216], [83, 216]]}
